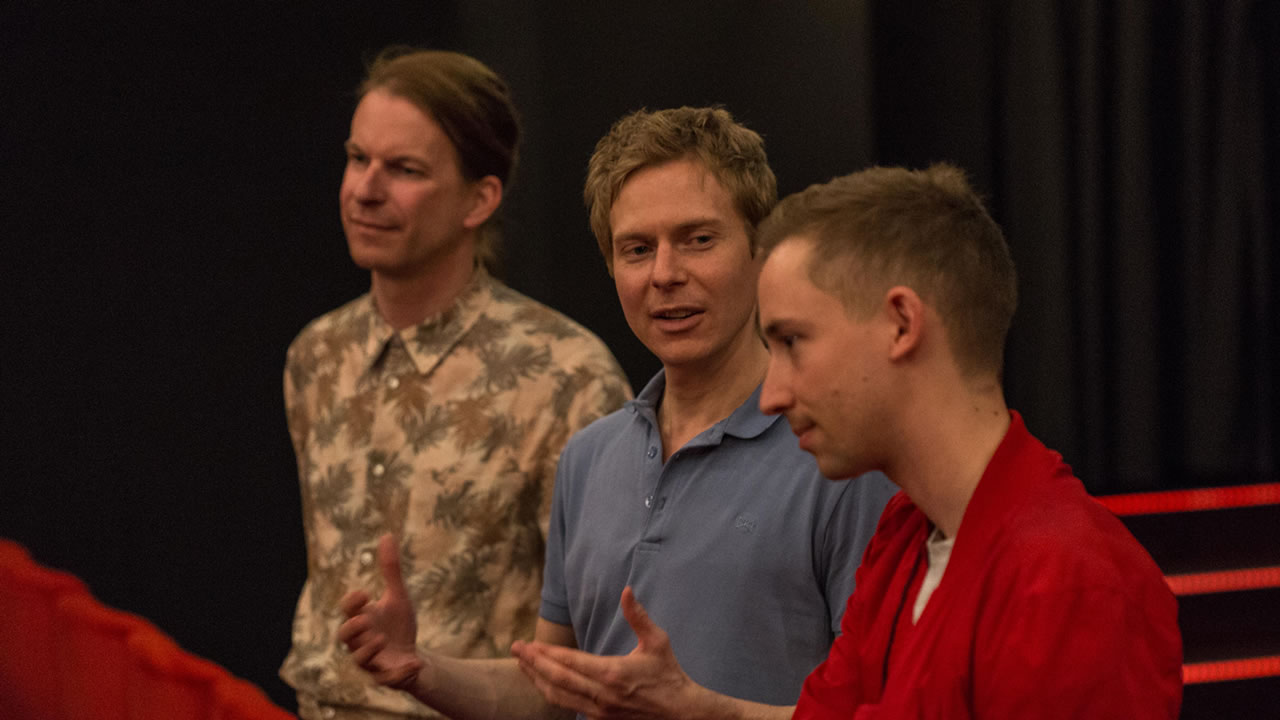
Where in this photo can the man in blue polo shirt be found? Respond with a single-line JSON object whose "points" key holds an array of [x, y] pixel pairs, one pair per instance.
{"points": [[687, 500]]}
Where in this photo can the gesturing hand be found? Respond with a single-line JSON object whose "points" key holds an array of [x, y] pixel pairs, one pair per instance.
{"points": [[646, 683], [381, 635]]}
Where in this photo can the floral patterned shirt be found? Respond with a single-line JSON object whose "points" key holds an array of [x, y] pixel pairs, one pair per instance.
{"points": [[447, 434]]}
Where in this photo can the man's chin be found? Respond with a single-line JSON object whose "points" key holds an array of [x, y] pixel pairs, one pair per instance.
{"points": [[369, 259], [833, 470]]}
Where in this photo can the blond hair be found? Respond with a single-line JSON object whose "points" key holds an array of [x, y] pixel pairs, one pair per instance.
{"points": [[734, 155], [926, 229]]}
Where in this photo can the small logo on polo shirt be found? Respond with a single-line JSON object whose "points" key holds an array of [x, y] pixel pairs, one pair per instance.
{"points": [[745, 523]]}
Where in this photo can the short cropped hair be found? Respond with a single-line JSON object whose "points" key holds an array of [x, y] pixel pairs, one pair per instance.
{"points": [[470, 103], [926, 229], [734, 155]]}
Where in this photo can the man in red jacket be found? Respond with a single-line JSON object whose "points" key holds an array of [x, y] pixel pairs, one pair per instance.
{"points": [[994, 587]]}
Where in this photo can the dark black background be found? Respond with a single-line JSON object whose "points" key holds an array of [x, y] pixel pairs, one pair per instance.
{"points": [[170, 177]]}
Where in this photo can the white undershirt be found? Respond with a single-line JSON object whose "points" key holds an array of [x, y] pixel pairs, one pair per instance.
{"points": [[939, 548]]}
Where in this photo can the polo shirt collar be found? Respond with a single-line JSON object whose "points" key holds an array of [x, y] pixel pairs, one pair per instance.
{"points": [[745, 422]]}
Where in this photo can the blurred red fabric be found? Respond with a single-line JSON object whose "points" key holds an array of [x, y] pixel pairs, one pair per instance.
{"points": [[29, 672]]}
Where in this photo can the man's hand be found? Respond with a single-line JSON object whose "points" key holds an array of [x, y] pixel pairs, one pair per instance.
{"points": [[647, 683], [381, 635]]}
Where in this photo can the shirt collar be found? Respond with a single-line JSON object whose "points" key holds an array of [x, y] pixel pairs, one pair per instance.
{"points": [[430, 341], [1016, 472], [745, 422]]}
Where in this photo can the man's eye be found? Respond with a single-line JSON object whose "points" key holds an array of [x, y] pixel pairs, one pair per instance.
{"points": [[702, 239], [636, 251]]}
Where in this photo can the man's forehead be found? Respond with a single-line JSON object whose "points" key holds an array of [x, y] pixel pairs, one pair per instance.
{"points": [[790, 255], [707, 202], [687, 170], [781, 269], [785, 268]]}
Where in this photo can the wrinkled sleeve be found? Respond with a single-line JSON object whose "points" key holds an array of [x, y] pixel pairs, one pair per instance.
{"points": [[849, 530], [838, 688], [294, 381], [599, 388], [555, 596], [832, 690], [1062, 646]]}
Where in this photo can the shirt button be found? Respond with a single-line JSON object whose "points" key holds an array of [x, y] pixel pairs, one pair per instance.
{"points": [[378, 470], [652, 452], [393, 382], [648, 501], [328, 713], [366, 558]]}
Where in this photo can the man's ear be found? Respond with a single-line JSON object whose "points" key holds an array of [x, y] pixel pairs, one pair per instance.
{"points": [[906, 312], [487, 196]]}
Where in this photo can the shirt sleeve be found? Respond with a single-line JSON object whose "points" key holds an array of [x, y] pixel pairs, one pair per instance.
{"points": [[593, 391], [832, 690], [594, 388], [555, 596], [839, 686], [297, 378], [1112, 649], [850, 528]]}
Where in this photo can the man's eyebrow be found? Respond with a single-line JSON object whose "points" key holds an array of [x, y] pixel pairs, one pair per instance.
{"points": [[628, 236], [712, 222], [683, 228], [350, 144]]}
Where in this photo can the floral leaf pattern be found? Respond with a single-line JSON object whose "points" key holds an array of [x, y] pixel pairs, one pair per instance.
{"points": [[539, 320], [506, 367], [445, 434]]}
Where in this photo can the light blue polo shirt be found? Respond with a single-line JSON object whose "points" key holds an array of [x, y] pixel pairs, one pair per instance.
{"points": [[736, 546]]}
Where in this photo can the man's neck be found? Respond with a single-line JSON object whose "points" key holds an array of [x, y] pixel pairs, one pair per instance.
{"points": [[405, 301], [701, 395], [947, 451]]}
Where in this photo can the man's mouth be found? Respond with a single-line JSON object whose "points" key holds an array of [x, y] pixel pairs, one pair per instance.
{"points": [[371, 224], [801, 429]]}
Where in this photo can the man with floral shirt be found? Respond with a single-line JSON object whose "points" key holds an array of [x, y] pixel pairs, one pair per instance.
{"points": [[435, 406]]}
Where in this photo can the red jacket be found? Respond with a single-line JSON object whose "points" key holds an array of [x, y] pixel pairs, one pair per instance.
{"points": [[1048, 609]]}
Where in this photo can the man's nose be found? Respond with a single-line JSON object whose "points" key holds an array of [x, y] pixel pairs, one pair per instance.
{"points": [[668, 266], [370, 185], [775, 393]]}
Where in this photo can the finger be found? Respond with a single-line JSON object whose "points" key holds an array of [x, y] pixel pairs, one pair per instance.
{"points": [[583, 665], [353, 602], [353, 627], [518, 649], [551, 686], [389, 565], [365, 646], [647, 632], [547, 663]]}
